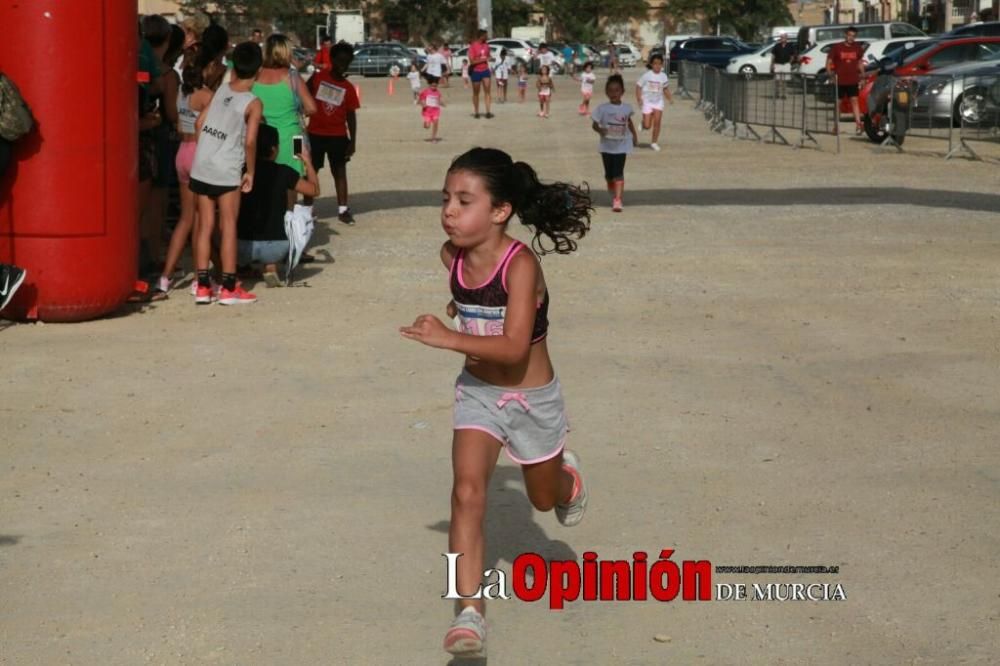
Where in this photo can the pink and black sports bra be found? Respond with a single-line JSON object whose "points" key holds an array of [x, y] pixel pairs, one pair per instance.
{"points": [[481, 310]]}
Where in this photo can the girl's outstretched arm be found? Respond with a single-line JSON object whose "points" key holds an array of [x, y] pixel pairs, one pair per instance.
{"points": [[510, 348]]}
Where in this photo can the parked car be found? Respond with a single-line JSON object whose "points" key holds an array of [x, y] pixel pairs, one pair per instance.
{"points": [[519, 48], [813, 60], [988, 29], [813, 34], [877, 49], [924, 58], [715, 51], [669, 42], [969, 93], [628, 54], [378, 58], [463, 53], [752, 63]]}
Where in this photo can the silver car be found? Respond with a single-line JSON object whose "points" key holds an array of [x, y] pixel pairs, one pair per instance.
{"points": [[968, 93]]}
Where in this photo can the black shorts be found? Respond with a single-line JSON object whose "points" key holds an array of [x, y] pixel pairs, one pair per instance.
{"points": [[333, 147], [209, 190], [614, 166], [846, 91]]}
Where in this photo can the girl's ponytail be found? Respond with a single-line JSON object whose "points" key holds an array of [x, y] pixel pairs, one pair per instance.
{"points": [[559, 212]]}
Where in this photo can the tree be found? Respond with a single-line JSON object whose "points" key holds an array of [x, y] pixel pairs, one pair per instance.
{"points": [[585, 20], [747, 18], [294, 17]]}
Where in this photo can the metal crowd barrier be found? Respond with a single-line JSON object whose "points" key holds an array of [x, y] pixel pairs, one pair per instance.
{"points": [[956, 108], [737, 103]]}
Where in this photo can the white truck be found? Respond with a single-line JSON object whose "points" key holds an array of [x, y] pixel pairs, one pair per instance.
{"points": [[347, 25], [529, 33]]}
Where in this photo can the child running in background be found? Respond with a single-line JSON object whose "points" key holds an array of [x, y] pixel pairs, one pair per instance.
{"points": [[502, 71], [522, 83], [430, 104], [545, 86], [194, 96], [613, 121], [465, 72], [586, 79], [333, 129], [413, 76], [224, 165], [507, 395], [649, 92]]}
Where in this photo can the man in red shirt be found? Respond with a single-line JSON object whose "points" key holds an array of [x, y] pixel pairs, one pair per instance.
{"points": [[333, 129], [847, 61], [322, 60], [479, 71]]}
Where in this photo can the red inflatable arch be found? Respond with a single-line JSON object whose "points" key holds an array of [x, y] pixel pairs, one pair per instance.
{"points": [[68, 201]]}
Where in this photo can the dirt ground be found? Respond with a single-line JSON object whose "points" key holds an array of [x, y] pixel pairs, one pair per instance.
{"points": [[772, 357]]}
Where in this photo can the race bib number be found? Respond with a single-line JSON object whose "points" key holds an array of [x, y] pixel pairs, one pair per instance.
{"points": [[654, 88], [545, 92], [615, 133], [587, 88], [330, 94], [433, 102]]}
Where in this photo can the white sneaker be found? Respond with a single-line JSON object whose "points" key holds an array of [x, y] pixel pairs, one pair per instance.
{"points": [[572, 513], [655, 146], [467, 634]]}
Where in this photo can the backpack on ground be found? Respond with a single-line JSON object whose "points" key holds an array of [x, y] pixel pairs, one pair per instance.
{"points": [[15, 116]]}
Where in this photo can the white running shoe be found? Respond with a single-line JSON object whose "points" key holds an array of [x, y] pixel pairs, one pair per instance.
{"points": [[467, 635], [571, 513], [655, 146]]}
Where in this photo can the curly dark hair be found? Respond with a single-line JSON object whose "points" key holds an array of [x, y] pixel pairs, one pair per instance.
{"points": [[558, 212]]}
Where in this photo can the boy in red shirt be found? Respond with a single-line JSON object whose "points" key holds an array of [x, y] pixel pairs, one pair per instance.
{"points": [[847, 60], [333, 129]]}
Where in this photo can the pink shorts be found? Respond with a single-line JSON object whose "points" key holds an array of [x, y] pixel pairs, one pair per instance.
{"points": [[648, 108], [431, 114], [185, 160]]}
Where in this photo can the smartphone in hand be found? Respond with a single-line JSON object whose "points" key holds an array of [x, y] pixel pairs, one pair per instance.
{"points": [[297, 146]]}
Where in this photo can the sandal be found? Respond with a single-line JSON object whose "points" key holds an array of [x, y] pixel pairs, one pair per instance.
{"points": [[142, 294]]}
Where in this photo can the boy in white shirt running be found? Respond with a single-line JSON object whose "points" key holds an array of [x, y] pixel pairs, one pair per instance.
{"points": [[649, 92]]}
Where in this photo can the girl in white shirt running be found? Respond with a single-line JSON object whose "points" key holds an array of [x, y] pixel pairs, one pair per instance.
{"points": [[586, 79], [650, 90]]}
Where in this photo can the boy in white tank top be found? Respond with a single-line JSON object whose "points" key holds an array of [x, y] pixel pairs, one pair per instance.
{"points": [[224, 165]]}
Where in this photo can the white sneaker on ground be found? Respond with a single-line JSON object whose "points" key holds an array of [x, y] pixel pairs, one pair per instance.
{"points": [[467, 635], [571, 513], [655, 146]]}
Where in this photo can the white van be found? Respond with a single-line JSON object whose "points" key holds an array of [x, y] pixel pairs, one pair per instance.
{"points": [[791, 30], [869, 32]]}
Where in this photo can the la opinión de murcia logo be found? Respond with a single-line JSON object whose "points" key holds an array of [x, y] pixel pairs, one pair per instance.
{"points": [[594, 580], [638, 579]]}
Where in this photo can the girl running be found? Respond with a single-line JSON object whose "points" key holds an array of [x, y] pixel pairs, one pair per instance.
{"points": [[430, 107], [502, 73], [649, 92], [522, 83], [507, 395], [586, 79], [613, 121], [545, 86]]}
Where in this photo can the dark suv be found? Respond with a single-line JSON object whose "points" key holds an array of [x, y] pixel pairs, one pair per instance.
{"points": [[714, 51], [989, 29]]}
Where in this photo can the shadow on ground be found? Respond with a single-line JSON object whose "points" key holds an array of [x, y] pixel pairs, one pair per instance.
{"points": [[381, 200]]}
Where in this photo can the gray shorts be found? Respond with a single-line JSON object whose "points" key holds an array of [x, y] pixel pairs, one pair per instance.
{"points": [[530, 422]]}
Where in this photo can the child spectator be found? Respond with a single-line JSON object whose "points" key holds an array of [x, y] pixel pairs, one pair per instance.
{"points": [[261, 227], [224, 165], [333, 129]]}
